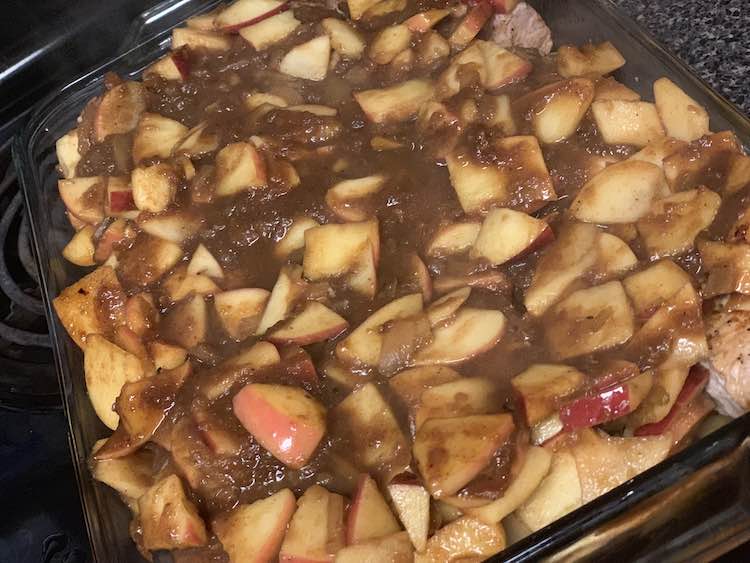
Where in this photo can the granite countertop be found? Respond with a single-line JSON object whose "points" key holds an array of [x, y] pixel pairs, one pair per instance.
{"points": [[710, 36]]}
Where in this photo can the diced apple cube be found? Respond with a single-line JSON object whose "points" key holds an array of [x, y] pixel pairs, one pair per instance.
{"points": [[199, 40], [683, 117], [285, 420], [589, 320], [240, 311], [450, 452], [119, 110], [154, 187], [589, 59], [68, 156], [351, 200], [621, 193], [397, 103], [673, 222], [464, 539], [333, 250], [315, 323], [621, 122], [508, 234], [728, 268], [80, 250], [345, 40], [308, 60], [239, 167], [156, 136], [270, 31], [454, 238], [253, 533]]}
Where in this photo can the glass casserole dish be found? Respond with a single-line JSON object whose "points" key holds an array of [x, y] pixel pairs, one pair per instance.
{"points": [[570, 22]]}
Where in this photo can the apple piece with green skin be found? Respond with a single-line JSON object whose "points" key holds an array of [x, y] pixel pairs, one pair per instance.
{"points": [[363, 345], [425, 21], [397, 103], [186, 324], [683, 117], [349, 199], [470, 25], [314, 323], [294, 238], [673, 222], [556, 110], [198, 39], [541, 386], [590, 59], [253, 533], [506, 235], [694, 384], [610, 319], [244, 13], [395, 547], [464, 539], [68, 157], [472, 332], [84, 197], [466, 444], [156, 136], [169, 520], [285, 420], [287, 289], [240, 311], [335, 249], [369, 515], [412, 504], [365, 422], [621, 122], [454, 238], [239, 167], [80, 249], [316, 531], [308, 60], [535, 468], [558, 493], [119, 110], [344, 39]]}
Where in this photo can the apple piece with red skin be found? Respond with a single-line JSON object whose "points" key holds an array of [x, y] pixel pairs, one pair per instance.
{"points": [[244, 13], [179, 284], [471, 332], [315, 323], [156, 136], [120, 201], [119, 110], [369, 516], [493, 281], [308, 60], [240, 311], [412, 504], [253, 533], [694, 384], [285, 420], [471, 25], [466, 444], [397, 103], [316, 531], [239, 167], [80, 249], [168, 519], [507, 235], [84, 197], [68, 156]]}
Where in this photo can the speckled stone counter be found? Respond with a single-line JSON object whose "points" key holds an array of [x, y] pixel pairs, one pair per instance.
{"points": [[712, 36]]}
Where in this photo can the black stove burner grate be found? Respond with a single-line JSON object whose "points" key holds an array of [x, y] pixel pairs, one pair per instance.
{"points": [[27, 374]]}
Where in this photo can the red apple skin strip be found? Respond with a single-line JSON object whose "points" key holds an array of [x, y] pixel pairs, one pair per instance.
{"points": [[694, 384], [592, 409], [257, 19]]}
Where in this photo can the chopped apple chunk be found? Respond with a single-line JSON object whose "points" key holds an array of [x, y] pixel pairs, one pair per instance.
{"points": [[369, 516], [706, 161], [397, 103], [333, 250], [272, 30], [239, 167], [464, 539], [454, 238], [590, 319], [683, 117], [728, 268], [68, 156], [315, 323], [412, 504], [351, 200], [589, 59], [156, 136], [198, 39], [308, 60], [240, 311], [651, 287], [541, 386], [80, 250], [622, 122], [316, 531], [119, 110], [506, 235], [345, 40]]}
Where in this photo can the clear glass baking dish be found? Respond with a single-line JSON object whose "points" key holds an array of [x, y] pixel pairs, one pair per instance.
{"points": [[693, 504]]}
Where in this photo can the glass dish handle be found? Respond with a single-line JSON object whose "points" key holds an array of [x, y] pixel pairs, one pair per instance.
{"points": [[161, 18]]}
